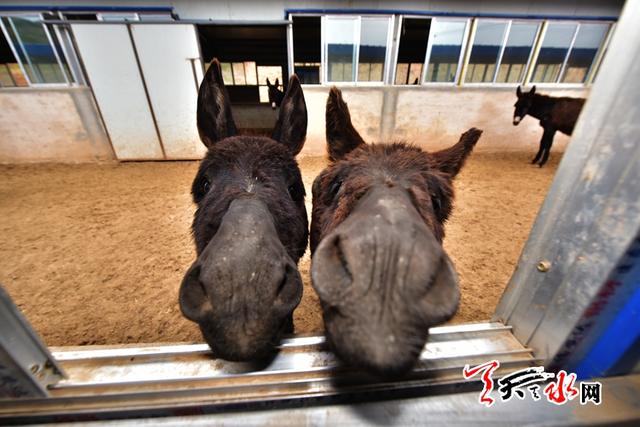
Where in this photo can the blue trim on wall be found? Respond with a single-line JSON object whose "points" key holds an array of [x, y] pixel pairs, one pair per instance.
{"points": [[47, 8], [615, 342], [287, 12]]}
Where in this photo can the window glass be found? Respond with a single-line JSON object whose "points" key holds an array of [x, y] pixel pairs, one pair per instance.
{"points": [[373, 49], [484, 53], [35, 51], [584, 50], [516, 52], [340, 48], [227, 73], [238, 73], [306, 48], [446, 45], [10, 73], [553, 51]]}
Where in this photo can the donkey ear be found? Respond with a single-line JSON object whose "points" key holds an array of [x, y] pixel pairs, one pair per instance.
{"points": [[342, 137], [215, 121], [519, 92], [291, 128], [451, 160], [533, 90], [277, 82], [268, 82]]}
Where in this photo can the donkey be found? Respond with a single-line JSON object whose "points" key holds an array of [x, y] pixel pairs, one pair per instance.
{"points": [[377, 226], [554, 114], [275, 95], [250, 227]]}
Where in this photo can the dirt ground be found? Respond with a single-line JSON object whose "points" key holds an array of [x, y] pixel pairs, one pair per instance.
{"points": [[94, 254]]}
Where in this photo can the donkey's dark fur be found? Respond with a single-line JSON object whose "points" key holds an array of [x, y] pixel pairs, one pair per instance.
{"points": [[377, 226], [275, 94], [250, 227], [555, 114]]}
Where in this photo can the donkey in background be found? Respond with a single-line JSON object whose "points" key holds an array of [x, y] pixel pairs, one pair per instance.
{"points": [[275, 95], [555, 114], [250, 228], [378, 265]]}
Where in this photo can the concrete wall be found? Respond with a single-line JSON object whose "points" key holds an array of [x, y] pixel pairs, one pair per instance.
{"points": [[258, 10], [432, 118], [60, 125]]}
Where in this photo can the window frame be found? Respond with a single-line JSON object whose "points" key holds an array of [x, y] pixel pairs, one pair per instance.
{"points": [[532, 52], [71, 79], [324, 69], [396, 21], [462, 58], [595, 63]]}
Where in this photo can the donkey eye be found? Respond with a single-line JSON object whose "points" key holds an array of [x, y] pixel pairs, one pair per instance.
{"points": [[292, 191], [435, 202], [206, 186], [335, 187]]}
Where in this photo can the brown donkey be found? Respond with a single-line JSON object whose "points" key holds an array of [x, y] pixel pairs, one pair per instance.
{"points": [[555, 114], [378, 264], [250, 227]]}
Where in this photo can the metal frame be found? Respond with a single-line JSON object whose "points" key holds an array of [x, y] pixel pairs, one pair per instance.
{"points": [[122, 381], [72, 60], [588, 221], [14, 51], [27, 367], [357, 36]]}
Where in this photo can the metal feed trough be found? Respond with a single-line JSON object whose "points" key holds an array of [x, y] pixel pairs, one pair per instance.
{"points": [[578, 312]]}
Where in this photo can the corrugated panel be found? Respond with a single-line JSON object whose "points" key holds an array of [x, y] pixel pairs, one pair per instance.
{"points": [[170, 60], [112, 69]]}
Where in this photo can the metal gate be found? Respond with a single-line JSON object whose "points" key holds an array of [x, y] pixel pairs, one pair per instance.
{"points": [[145, 78]]}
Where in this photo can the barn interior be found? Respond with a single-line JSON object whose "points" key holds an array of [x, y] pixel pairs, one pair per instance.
{"points": [[249, 55]]}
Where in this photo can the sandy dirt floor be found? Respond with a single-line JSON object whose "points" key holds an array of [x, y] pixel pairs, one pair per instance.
{"points": [[94, 254]]}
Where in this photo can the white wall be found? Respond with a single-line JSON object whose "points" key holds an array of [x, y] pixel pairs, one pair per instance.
{"points": [[432, 118], [51, 125]]}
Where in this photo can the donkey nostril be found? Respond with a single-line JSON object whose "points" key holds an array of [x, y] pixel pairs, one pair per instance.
{"points": [[341, 258], [283, 282]]}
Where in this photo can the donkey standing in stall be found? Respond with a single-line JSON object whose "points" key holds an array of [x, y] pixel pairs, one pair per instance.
{"points": [[275, 95], [250, 227], [377, 226], [554, 114]]}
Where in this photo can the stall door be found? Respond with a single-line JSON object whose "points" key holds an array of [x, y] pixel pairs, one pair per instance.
{"points": [[170, 61], [110, 63]]}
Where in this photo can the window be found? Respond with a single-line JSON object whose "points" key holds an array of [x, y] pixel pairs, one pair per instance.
{"points": [[248, 55], [517, 52], [38, 51], [307, 46], [340, 34], [117, 17], [356, 48], [485, 52], [432, 50], [446, 45], [553, 52], [412, 50], [249, 74], [11, 74], [273, 73], [588, 41], [373, 49]]}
